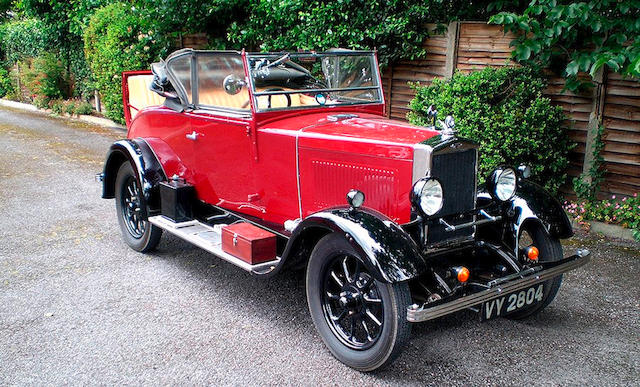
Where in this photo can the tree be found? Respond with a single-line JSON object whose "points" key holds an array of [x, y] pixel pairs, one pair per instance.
{"points": [[577, 36]]}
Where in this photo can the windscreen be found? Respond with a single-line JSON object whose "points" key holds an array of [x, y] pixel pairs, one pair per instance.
{"points": [[298, 80]]}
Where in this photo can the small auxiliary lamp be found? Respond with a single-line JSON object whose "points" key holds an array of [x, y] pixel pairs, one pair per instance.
{"points": [[355, 198]]}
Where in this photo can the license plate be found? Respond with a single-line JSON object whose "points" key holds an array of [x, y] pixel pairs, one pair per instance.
{"points": [[512, 302]]}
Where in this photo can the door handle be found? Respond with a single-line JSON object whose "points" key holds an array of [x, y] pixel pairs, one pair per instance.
{"points": [[193, 135]]}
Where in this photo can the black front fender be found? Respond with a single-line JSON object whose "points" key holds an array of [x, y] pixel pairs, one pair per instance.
{"points": [[532, 203], [148, 169], [389, 253]]}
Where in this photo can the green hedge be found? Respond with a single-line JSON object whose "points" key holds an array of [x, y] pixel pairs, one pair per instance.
{"points": [[5, 83], [504, 110], [23, 38], [119, 39]]}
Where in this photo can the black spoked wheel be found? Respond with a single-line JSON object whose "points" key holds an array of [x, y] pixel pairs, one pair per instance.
{"points": [[362, 321], [131, 209], [550, 249], [351, 303]]}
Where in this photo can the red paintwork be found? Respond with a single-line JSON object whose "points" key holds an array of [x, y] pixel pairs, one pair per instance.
{"points": [[250, 165]]}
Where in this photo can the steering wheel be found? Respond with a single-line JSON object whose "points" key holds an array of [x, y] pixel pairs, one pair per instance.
{"points": [[277, 89]]}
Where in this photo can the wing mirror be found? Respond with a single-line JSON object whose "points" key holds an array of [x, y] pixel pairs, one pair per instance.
{"points": [[233, 84], [160, 80]]}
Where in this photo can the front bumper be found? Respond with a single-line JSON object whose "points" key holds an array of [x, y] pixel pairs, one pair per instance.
{"points": [[496, 288]]}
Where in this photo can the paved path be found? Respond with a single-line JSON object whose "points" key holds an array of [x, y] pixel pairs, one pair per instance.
{"points": [[79, 307]]}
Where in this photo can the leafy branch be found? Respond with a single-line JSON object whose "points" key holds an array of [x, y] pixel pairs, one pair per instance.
{"points": [[579, 36]]}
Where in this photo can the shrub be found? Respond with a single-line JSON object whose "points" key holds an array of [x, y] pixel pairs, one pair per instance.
{"points": [[5, 83], [57, 106], [623, 211], [41, 102], [504, 111], [83, 108], [119, 39], [44, 77], [70, 107]]}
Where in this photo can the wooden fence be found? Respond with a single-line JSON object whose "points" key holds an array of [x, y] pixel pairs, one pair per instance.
{"points": [[614, 101]]}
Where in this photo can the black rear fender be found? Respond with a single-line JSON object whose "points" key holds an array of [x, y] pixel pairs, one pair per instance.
{"points": [[148, 169]]}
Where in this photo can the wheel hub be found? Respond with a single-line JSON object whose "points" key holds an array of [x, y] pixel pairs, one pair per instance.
{"points": [[351, 299]]}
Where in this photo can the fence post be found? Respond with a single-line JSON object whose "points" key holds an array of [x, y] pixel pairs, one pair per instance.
{"points": [[390, 86], [19, 84], [595, 120], [97, 98], [453, 32]]}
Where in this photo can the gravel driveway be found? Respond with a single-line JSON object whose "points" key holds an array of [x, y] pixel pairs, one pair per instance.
{"points": [[79, 307]]}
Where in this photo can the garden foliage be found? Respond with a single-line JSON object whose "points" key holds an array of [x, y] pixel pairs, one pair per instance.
{"points": [[622, 211], [577, 36], [24, 39], [118, 39], [505, 112], [45, 78], [5, 83], [395, 27]]}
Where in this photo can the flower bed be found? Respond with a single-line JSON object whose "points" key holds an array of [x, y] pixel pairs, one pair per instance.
{"points": [[623, 211]]}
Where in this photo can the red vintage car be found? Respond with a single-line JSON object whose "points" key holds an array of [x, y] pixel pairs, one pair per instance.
{"points": [[275, 161]]}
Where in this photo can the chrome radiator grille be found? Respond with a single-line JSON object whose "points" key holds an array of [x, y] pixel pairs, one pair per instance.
{"points": [[457, 173]]}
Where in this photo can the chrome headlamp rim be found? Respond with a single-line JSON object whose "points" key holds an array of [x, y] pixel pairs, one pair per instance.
{"points": [[502, 183], [417, 195]]}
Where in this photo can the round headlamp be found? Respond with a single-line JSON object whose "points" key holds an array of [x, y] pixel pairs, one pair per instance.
{"points": [[427, 195], [503, 183]]}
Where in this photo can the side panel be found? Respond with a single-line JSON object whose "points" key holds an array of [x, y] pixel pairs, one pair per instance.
{"points": [[166, 131], [326, 177], [276, 175]]}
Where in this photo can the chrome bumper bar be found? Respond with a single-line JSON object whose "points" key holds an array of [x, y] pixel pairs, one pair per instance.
{"points": [[546, 271]]}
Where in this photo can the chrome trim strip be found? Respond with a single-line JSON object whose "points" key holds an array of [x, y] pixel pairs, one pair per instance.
{"points": [[416, 313], [298, 172], [301, 91], [453, 227], [421, 162]]}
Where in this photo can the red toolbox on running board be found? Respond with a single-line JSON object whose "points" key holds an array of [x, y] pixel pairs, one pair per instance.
{"points": [[249, 243]]}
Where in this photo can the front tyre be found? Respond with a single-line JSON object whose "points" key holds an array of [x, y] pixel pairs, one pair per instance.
{"points": [[131, 211], [362, 321]]}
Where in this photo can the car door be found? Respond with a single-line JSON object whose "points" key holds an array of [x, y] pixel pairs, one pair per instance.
{"points": [[223, 164], [222, 158]]}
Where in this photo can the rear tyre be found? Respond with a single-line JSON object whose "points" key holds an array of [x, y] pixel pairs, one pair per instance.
{"points": [[131, 210], [550, 249], [361, 320]]}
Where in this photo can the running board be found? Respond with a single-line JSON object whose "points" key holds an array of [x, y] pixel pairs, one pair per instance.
{"points": [[209, 239]]}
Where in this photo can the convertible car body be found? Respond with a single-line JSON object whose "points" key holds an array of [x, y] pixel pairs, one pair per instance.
{"points": [[275, 161]]}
